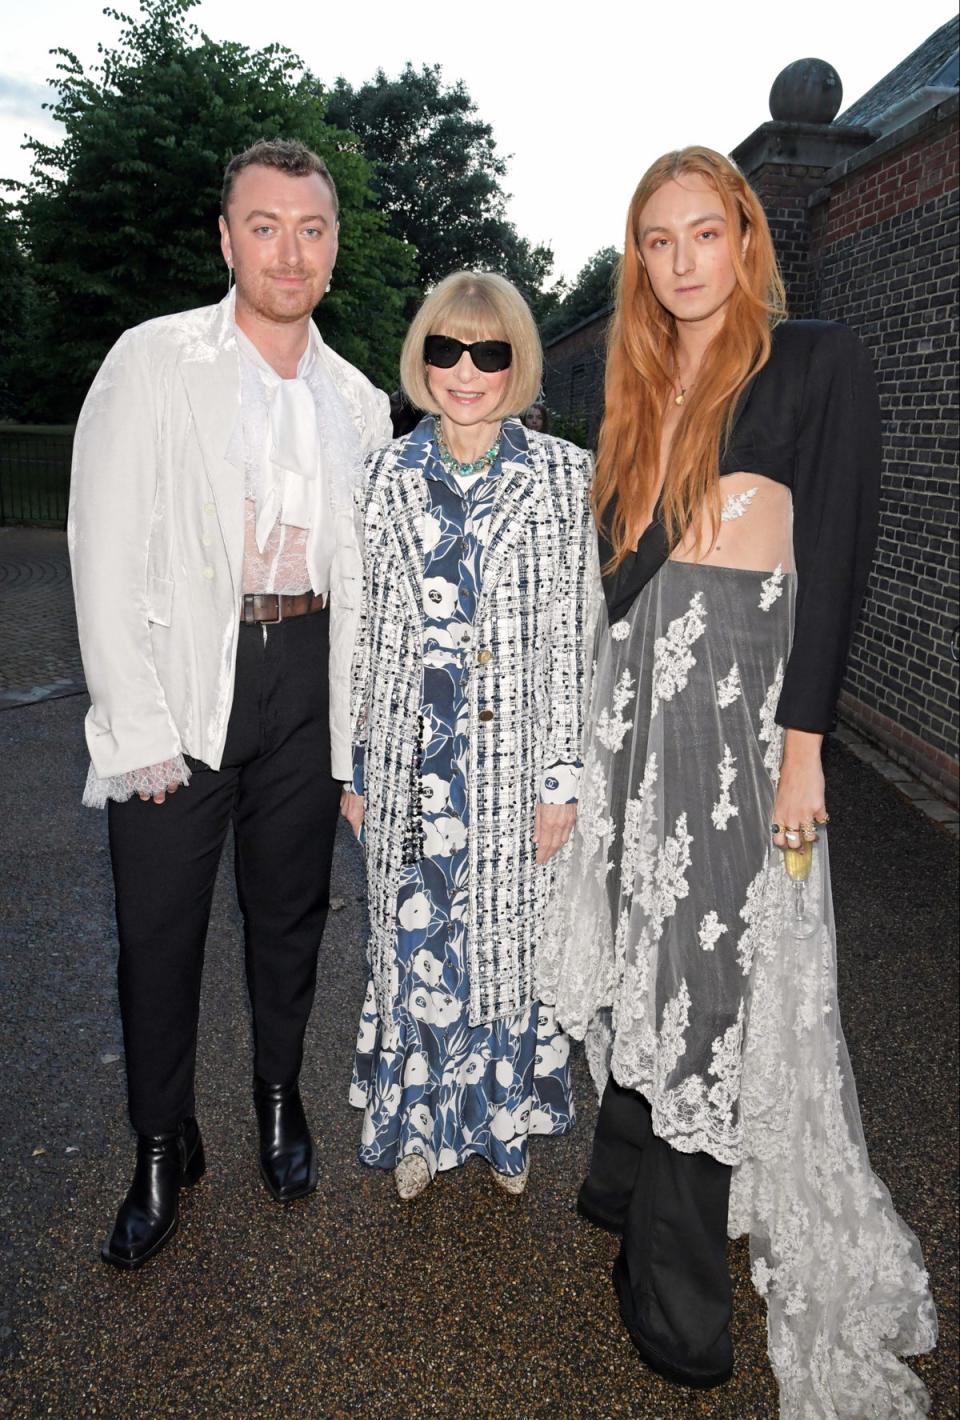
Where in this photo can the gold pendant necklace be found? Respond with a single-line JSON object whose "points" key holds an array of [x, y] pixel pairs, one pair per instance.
{"points": [[681, 396]]}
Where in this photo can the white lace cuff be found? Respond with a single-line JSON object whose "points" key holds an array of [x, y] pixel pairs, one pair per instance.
{"points": [[121, 787]]}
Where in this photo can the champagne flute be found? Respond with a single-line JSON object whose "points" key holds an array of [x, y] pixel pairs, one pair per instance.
{"points": [[798, 863]]}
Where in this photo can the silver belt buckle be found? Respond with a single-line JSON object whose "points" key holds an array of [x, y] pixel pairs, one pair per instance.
{"points": [[249, 599], [273, 620]]}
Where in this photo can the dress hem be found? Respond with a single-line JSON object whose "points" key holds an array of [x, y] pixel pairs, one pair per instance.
{"points": [[462, 1158]]}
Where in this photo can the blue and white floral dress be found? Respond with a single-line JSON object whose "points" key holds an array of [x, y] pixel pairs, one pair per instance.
{"points": [[429, 1083]]}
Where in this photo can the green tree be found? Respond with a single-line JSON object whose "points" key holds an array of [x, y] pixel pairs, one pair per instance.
{"points": [[120, 218], [16, 311], [592, 291], [438, 176]]}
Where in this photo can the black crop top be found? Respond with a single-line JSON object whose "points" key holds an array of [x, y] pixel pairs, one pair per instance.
{"points": [[810, 420]]}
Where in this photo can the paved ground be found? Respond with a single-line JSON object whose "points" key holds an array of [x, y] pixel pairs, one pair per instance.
{"points": [[40, 657], [466, 1303]]}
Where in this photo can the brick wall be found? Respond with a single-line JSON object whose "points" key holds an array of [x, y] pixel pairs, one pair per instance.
{"points": [[897, 182], [573, 374], [884, 261], [784, 192]]}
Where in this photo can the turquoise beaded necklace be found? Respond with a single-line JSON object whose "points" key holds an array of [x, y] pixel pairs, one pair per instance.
{"points": [[453, 464]]}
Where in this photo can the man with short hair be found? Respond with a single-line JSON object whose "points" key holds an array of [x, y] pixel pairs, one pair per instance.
{"points": [[217, 579]]}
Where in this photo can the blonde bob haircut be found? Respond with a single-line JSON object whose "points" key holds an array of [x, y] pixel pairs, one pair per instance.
{"points": [[475, 305]]}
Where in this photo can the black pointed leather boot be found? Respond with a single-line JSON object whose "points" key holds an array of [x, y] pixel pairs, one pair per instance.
{"points": [[288, 1164], [150, 1213]]}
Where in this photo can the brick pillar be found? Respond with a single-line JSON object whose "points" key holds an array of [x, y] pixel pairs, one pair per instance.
{"points": [[785, 163]]}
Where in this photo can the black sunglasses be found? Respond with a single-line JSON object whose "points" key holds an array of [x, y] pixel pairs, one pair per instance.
{"points": [[488, 355]]}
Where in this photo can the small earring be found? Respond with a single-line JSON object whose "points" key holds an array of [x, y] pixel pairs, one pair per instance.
{"points": [[328, 285]]}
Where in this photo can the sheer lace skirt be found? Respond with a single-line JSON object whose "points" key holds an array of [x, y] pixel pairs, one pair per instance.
{"points": [[674, 949], [670, 887]]}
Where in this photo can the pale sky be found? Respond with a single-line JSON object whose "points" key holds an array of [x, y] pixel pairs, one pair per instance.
{"points": [[582, 96]]}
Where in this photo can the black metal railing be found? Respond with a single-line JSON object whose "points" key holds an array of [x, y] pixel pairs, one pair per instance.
{"points": [[35, 473]]}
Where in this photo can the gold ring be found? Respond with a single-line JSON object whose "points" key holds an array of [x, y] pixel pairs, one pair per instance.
{"points": [[789, 833], [776, 828]]}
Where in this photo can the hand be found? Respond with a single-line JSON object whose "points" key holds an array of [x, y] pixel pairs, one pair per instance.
{"points": [[552, 827], [351, 806], [159, 798], [800, 800]]}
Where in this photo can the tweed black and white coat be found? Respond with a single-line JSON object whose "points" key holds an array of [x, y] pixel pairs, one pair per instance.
{"points": [[538, 595]]}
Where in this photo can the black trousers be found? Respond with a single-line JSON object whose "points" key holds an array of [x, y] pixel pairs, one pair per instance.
{"points": [[671, 1275], [275, 786]]}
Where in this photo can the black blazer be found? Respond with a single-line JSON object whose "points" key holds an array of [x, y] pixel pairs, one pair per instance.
{"points": [[810, 420]]}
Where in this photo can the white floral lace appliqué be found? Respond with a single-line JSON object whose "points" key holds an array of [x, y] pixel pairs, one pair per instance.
{"points": [[711, 930], [672, 658], [736, 504], [771, 588], [665, 881], [611, 726], [763, 914], [728, 687], [771, 734], [594, 826], [676, 1018], [726, 1063], [725, 809], [639, 836], [620, 630]]}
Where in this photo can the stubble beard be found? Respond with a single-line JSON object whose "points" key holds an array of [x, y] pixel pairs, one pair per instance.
{"points": [[272, 303]]}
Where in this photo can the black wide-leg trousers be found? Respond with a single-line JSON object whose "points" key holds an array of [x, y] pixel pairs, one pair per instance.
{"points": [[274, 785], [671, 1275]]}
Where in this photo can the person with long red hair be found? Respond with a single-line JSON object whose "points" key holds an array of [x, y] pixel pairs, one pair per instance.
{"points": [[736, 496]]}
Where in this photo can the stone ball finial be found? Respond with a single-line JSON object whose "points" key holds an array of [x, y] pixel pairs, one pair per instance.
{"points": [[807, 91]]}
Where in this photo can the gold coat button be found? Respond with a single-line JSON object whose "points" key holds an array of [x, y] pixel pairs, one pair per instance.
{"points": [[484, 657], [485, 716]]}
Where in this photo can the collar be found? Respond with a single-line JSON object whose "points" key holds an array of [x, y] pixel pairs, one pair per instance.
{"points": [[269, 375]]}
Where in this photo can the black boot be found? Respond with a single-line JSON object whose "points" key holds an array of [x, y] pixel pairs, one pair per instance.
{"points": [[149, 1214], [287, 1161]]}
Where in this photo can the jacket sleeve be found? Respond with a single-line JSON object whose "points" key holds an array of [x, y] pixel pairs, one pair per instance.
{"points": [[836, 502], [113, 490], [347, 622], [574, 603], [377, 425], [367, 521]]}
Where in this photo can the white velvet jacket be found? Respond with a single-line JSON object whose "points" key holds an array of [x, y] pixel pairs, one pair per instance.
{"points": [[156, 530]]}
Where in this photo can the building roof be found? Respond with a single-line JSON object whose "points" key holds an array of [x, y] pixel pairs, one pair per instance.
{"points": [[595, 315], [931, 63]]}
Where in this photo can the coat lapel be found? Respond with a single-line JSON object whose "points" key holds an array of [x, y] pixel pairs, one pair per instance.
{"points": [[520, 488], [212, 385], [404, 504]]}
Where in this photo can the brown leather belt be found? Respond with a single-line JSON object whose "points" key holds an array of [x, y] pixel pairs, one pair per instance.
{"points": [[260, 608]]}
